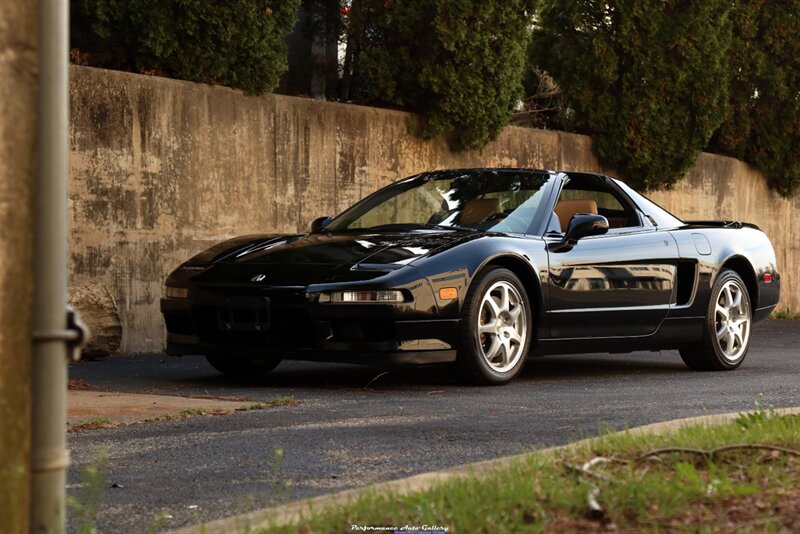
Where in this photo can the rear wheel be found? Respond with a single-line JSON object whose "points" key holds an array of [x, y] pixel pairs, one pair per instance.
{"points": [[726, 335], [496, 329], [243, 366]]}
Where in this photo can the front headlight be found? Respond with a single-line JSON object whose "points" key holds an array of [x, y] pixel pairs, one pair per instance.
{"points": [[176, 292], [383, 296]]}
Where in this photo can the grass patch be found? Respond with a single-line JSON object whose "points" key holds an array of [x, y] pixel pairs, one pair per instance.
{"points": [[93, 423], [184, 414], [85, 506], [681, 481], [274, 403], [98, 420], [192, 412], [785, 315]]}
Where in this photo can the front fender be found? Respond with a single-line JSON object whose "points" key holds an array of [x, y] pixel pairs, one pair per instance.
{"points": [[457, 267]]}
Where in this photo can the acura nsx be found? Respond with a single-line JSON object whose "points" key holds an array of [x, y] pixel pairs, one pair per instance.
{"points": [[481, 269]]}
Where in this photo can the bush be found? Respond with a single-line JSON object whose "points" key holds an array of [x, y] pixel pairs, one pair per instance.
{"points": [[458, 63], [647, 80], [239, 43], [762, 126]]}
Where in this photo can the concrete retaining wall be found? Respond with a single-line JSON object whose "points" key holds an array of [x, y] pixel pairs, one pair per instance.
{"points": [[163, 168]]}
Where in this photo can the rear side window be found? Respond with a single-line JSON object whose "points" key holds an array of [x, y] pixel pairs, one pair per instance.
{"points": [[661, 217]]}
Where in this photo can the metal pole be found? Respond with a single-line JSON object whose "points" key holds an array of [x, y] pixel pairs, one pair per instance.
{"points": [[49, 458]]}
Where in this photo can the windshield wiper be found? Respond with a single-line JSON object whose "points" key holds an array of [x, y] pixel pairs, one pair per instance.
{"points": [[453, 227], [419, 226]]}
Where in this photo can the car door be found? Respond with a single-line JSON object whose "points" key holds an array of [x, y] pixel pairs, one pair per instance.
{"points": [[614, 285]]}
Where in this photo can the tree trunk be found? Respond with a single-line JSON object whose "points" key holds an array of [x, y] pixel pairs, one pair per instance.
{"points": [[18, 79], [98, 311]]}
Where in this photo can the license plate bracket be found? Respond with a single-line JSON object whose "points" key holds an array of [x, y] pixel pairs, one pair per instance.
{"points": [[244, 314]]}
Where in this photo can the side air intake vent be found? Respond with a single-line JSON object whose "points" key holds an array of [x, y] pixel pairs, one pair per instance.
{"points": [[687, 273]]}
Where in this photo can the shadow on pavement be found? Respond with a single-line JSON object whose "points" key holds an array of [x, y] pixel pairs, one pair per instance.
{"points": [[192, 375], [342, 376]]}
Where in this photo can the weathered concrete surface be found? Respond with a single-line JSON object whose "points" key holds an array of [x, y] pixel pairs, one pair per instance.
{"points": [[18, 81], [99, 313], [113, 408], [163, 168], [726, 188]]}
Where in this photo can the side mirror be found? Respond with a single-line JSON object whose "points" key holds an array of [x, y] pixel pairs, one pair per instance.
{"points": [[319, 224], [581, 225]]}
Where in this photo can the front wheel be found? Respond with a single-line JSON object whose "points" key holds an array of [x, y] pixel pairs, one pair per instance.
{"points": [[243, 366], [726, 335], [496, 329]]}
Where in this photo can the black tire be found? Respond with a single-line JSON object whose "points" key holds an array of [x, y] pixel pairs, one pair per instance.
{"points": [[726, 340], [477, 361], [249, 367]]}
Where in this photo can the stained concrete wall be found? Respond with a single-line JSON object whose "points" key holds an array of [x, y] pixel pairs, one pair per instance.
{"points": [[19, 82], [163, 168]]}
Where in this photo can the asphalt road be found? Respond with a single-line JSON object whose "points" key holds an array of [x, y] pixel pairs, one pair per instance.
{"points": [[355, 426]]}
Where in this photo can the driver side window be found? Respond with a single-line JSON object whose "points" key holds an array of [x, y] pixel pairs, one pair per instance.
{"points": [[590, 198]]}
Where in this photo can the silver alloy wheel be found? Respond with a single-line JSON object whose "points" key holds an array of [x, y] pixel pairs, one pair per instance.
{"points": [[502, 326], [732, 320]]}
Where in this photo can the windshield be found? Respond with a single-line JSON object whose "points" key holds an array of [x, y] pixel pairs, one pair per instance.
{"points": [[490, 200]]}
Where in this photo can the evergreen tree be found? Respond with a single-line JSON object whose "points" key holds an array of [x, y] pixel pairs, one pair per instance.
{"points": [[239, 43], [458, 63], [762, 126], [646, 79]]}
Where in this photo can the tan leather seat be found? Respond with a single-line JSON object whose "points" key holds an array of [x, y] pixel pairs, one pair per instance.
{"points": [[565, 209], [478, 209]]}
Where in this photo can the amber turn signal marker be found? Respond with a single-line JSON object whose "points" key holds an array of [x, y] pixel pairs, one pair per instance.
{"points": [[448, 293]]}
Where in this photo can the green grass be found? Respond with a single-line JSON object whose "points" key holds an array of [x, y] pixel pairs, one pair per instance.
{"points": [[98, 420], [84, 506], [274, 403], [786, 315], [746, 489], [192, 412]]}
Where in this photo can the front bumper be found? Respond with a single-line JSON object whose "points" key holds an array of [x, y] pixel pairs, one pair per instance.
{"points": [[286, 324]]}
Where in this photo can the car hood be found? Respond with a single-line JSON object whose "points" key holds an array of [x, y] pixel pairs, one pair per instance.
{"points": [[323, 258]]}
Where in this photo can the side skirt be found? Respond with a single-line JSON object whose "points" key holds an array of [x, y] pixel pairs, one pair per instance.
{"points": [[672, 334]]}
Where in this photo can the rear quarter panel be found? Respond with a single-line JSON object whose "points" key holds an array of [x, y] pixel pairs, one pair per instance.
{"points": [[745, 249]]}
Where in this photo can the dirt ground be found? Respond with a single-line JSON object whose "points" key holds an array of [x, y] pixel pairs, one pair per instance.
{"points": [[101, 409]]}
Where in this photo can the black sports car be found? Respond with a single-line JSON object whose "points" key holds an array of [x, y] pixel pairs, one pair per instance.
{"points": [[481, 268]]}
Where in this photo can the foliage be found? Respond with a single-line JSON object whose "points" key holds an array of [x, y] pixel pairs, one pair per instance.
{"points": [[272, 403], [240, 43], [645, 79], [85, 506], [457, 62], [785, 314], [762, 125], [542, 106], [326, 29]]}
